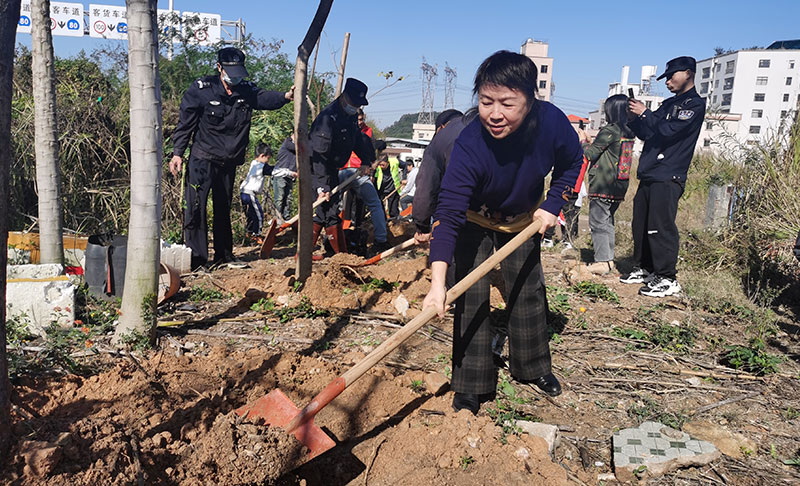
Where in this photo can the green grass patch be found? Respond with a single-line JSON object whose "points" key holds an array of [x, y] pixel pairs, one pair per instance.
{"points": [[596, 291], [379, 284]]}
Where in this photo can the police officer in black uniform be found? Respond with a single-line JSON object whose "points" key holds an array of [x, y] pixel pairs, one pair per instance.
{"points": [[215, 117], [335, 134], [670, 135]]}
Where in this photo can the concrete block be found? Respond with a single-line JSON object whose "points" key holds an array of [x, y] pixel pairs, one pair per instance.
{"points": [[537, 429], [40, 295], [178, 257]]}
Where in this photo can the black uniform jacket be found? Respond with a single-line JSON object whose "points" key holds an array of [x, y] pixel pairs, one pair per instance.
{"points": [[670, 135], [334, 135], [431, 170], [220, 123]]}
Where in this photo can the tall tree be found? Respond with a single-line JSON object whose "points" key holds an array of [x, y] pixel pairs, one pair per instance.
{"points": [[9, 16], [305, 193], [48, 174], [144, 233]]}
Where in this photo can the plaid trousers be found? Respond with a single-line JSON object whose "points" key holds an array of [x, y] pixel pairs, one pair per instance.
{"points": [[473, 368]]}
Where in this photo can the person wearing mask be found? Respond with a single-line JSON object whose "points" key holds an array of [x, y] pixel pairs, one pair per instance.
{"points": [[495, 175], [215, 115], [334, 136]]}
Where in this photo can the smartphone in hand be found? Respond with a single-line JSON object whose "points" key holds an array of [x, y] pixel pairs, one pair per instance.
{"points": [[630, 93]]}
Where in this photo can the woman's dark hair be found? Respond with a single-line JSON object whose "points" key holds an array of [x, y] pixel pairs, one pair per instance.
{"points": [[514, 71], [616, 111]]}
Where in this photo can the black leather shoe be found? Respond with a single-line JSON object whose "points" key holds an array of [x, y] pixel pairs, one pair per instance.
{"points": [[548, 384], [470, 401], [500, 361]]}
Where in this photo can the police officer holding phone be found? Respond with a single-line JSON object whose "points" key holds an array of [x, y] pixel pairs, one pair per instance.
{"points": [[215, 117], [670, 134]]}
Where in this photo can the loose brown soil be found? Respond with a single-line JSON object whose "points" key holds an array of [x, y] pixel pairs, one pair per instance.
{"points": [[171, 421]]}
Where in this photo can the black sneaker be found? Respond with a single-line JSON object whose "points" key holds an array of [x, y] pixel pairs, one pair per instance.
{"points": [[660, 287], [637, 275]]}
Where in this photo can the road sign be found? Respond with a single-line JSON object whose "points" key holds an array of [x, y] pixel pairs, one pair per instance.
{"points": [[65, 18], [107, 22], [205, 28]]}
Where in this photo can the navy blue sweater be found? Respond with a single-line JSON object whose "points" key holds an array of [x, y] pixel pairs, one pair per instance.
{"points": [[505, 176]]}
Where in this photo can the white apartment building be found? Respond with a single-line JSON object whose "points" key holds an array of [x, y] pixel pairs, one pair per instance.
{"points": [[537, 52], [760, 85]]}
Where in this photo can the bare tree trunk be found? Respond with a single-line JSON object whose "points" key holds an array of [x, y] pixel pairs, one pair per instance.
{"points": [[48, 174], [9, 16], [340, 78], [144, 233], [304, 191]]}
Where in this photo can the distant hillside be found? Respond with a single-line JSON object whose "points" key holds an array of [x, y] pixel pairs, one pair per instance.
{"points": [[402, 128]]}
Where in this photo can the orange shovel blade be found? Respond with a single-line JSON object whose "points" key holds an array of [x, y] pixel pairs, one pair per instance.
{"points": [[269, 240], [276, 410]]}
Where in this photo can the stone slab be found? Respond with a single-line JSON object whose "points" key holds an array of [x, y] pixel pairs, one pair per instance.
{"points": [[40, 295], [537, 429], [653, 449]]}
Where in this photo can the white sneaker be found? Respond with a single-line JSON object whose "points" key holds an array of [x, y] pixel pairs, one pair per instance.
{"points": [[660, 287], [547, 243], [637, 275], [567, 246]]}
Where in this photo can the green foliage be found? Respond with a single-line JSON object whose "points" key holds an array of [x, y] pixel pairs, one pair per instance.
{"points": [[465, 461], [136, 340], [17, 330], [649, 409], [752, 358], [596, 291], [418, 386], [629, 333], [379, 284], [673, 338], [93, 109], [303, 310], [263, 305], [558, 300], [204, 293]]}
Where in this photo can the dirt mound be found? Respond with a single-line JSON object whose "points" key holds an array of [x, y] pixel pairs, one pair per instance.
{"points": [[232, 452], [173, 423], [437, 446]]}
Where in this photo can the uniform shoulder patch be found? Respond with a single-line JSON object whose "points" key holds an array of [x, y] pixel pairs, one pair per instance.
{"points": [[685, 114], [201, 84]]}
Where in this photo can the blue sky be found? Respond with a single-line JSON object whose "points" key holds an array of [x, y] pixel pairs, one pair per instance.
{"points": [[589, 41]]}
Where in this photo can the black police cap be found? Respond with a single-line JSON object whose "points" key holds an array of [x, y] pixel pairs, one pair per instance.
{"points": [[232, 61], [356, 91], [683, 63]]}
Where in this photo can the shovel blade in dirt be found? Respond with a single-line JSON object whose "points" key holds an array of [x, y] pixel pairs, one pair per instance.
{"points": [[276, 410], [269, 240]]}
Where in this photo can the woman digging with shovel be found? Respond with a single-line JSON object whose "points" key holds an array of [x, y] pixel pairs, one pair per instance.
{"points": [[491, 192]]}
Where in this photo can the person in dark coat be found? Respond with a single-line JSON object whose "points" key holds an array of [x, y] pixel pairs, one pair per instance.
{"points": [[215, 118], [491, 191], [334, 136]]}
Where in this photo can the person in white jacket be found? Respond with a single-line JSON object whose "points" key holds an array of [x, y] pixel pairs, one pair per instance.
{"points": [[407, 194], [251, 188]]}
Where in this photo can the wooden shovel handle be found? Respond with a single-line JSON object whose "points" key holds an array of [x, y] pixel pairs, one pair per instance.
{"points": [[391, 251], [338, 385], [316, 204]]}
